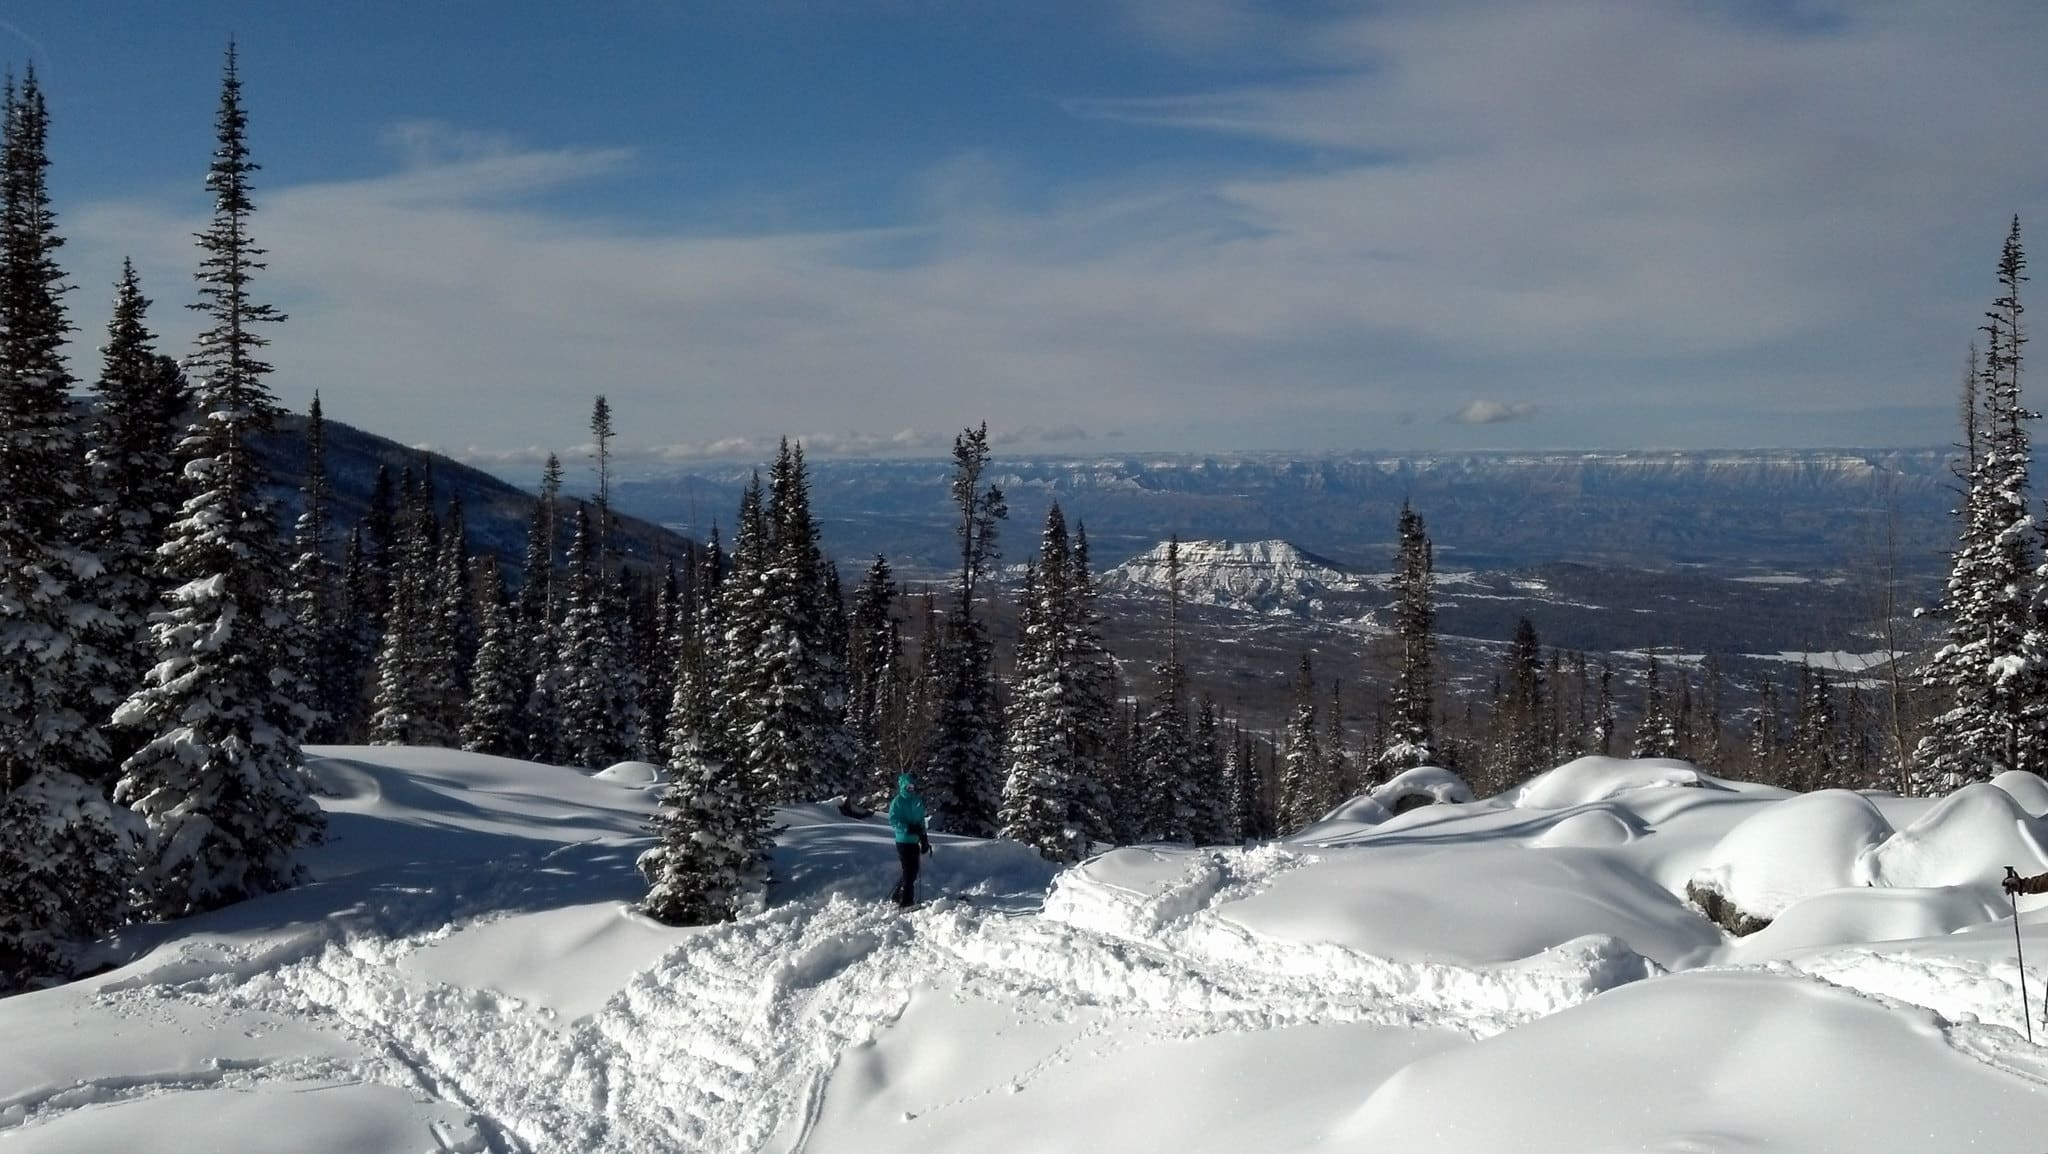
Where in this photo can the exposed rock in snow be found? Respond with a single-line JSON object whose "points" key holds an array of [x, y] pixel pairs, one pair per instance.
{"points": [[1790, 851]]}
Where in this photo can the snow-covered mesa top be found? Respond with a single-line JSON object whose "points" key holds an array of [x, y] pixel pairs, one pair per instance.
{"points": [[1420, 971], [1271, 577]]}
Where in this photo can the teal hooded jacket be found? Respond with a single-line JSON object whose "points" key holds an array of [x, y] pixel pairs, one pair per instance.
{"points": [[906, 813]]}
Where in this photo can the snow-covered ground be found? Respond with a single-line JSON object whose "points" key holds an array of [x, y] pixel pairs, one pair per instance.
{"points": [[1520, 973]]}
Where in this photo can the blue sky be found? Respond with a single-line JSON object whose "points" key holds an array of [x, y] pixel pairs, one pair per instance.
{"points": [[1111, 226]]}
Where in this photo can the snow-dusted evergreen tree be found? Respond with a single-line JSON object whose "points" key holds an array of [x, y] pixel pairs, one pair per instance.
{"points": [[588, 676], [1656, 734], [1814, 737], [454, 634], [962, 778], [66, 857], [1301, 768], [1337, 779], [219, 781], [316, 594], [537, 613], [1041, 747], [131, 481], [1411, 736], [1091, 809], [1524, 709], [1604, 721], [50, 666], [361, 630], [1764, 734], [497, 689], [875, 677], [1712, 748], [798, 652], [700, 667], [713, 831], [1213, 822], [707, 856], [1990, 670], [1164, 754], [411, 677]]}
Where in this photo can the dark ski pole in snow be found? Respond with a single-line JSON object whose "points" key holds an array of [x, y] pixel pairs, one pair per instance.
{"points": [[2020, 953]]}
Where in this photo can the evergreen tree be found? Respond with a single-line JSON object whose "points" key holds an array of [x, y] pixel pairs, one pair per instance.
{"points": [[410, 676], [132, 483], [876, 675], [218, 783], [314, 594], [1764, 734], [497, 690], [1298, 793], [1656, 736], [453, 635], [1164, 764], [588, 691], [1412, 739], [712, 837], [1041, 747], [66, 856], [963, 766], [50, 667], [1214, 822], [1712, 750], [537, 613], [1604, 720], [1991, 666], [1814, 736], [1091, 809]]}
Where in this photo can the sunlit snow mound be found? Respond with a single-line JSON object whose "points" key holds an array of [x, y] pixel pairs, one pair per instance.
{"points": [[467, 972], [1405, 792], [1598, 778], [1966, 838], [1790, 851]]}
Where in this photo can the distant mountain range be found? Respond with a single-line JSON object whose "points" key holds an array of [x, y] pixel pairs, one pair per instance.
{"points": [[1807, 512]]}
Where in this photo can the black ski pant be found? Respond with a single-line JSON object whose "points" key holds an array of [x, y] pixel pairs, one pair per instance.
{"points": [[906, 890]]}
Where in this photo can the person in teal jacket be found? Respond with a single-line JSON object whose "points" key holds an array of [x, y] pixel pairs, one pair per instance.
{"points": [[906, 817]]}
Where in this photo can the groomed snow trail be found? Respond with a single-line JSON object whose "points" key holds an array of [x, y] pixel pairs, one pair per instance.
{"points": [[726, 1044]]}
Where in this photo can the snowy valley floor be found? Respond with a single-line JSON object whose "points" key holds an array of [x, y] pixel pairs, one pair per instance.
{"points": [[1514, 974]]}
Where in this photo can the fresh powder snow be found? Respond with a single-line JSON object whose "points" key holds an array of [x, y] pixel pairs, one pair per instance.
{"points": [[466, 972]]}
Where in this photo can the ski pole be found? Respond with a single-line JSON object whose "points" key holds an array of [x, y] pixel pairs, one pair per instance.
{"points": [[2019, 952]]}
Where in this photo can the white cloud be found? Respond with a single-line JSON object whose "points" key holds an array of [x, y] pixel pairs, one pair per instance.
{"points": [[1629, 214], [1492, 412]]}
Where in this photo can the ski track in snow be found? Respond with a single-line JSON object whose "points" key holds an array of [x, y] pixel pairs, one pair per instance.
{"points": [[728, 1041]]}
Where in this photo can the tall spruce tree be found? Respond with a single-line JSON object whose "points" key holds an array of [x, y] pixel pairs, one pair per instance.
{"points": [[588, 673], [315, 593], [875, 676], [962, 778], [1656, 734], [1045, 724], [1411, 739], [65, 854], [1164, 751], [132, 483], [1990, 670], [497, 689], [407, 709], [1299, 794], [219, 783]]}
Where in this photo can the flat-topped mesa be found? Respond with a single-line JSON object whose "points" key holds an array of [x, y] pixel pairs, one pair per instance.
{"points": [[1270, 577]]}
